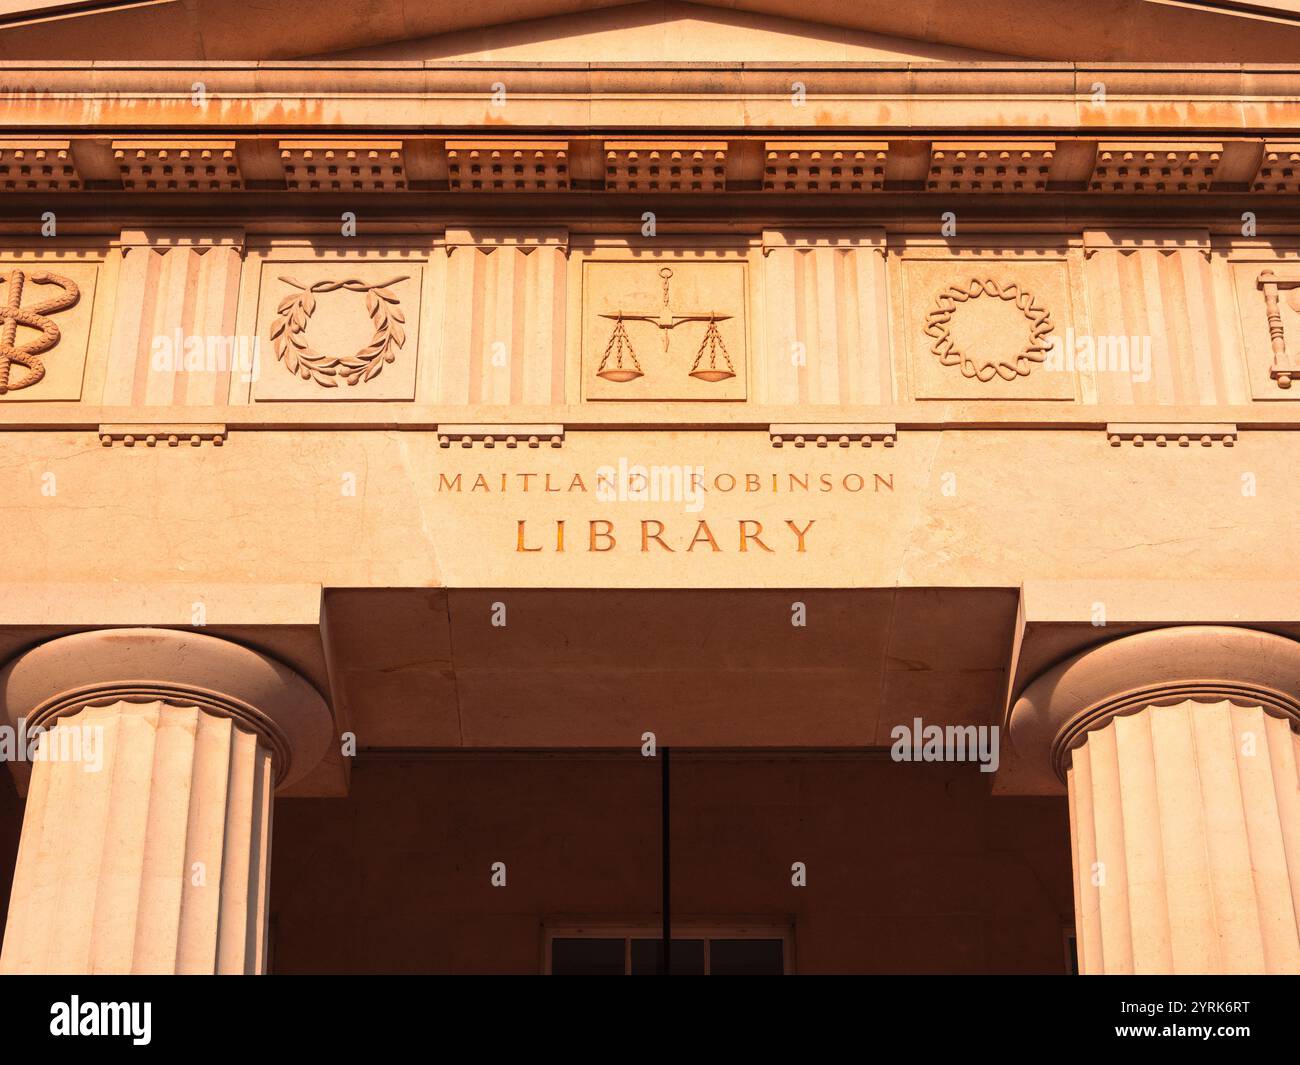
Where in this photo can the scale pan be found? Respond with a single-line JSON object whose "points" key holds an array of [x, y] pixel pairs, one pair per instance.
{"points": [[620, 375], [712, 375]]}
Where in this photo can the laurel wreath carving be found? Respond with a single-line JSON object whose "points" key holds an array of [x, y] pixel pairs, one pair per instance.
{"points": [[302, 359], [937, 326]]}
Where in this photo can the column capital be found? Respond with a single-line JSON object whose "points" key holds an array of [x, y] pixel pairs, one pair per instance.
{"points": [[1160, 667], [178, 668]]}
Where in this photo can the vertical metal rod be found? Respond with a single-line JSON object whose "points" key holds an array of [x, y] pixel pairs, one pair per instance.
{"points": [[664, 832]]}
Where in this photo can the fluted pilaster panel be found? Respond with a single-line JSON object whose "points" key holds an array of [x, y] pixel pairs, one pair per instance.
{"points": [[172, 295], [1177, 303], [827, 322], [1185, 822], [157, 860], [504, 339]]}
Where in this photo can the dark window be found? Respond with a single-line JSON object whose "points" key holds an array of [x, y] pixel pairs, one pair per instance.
{"points": [[587, 957], [648, 957], [746, 957], [641, 954]]}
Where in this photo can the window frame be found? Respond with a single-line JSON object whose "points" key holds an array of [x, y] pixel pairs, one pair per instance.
{"points": [[706, 928]]}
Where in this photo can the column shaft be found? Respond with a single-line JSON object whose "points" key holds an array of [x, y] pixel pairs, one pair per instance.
{"points": [[1185, 828], [157, 861]]}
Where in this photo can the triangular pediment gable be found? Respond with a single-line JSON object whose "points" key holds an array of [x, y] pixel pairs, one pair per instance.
{"points": [[666, 31], [670, 31]]}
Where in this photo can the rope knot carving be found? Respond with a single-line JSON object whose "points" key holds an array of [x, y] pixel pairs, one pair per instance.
{"points": [[985, 369]]}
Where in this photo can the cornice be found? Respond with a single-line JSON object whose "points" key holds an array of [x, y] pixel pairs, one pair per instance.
{"points": [[851, 129], [715, 79]]}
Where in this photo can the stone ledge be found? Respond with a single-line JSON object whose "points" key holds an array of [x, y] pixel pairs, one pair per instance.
{"points": [[916, 416]]}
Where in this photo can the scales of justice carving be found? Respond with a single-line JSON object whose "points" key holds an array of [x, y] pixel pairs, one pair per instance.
{"points": [[13, 314], [621, 364], [301, 358], [984, 368]]}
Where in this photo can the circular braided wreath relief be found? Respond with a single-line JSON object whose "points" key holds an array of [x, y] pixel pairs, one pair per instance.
{"points": [[937, 327], [302, 359]]}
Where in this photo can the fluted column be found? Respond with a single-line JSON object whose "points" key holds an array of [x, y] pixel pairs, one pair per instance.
{"points": [[1179, 754], [169, 869], [1185, 829], [146, 838]]}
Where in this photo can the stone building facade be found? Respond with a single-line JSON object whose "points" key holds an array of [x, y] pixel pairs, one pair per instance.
{"points": [[844, 457]]}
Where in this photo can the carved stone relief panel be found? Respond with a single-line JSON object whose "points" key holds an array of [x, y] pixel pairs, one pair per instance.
{"points": [[1267, 283], [46, 314], [983, 323], [335, 324], [664, 325]]}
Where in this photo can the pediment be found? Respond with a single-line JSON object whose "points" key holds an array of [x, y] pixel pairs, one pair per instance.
{"points": [[673, 31], [665, 31]]}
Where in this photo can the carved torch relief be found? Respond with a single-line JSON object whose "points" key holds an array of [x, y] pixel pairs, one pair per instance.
{"points": [[1281, 289]]}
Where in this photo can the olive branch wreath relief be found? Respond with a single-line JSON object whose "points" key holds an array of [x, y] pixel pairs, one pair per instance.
{"points": [[311, 365]]}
